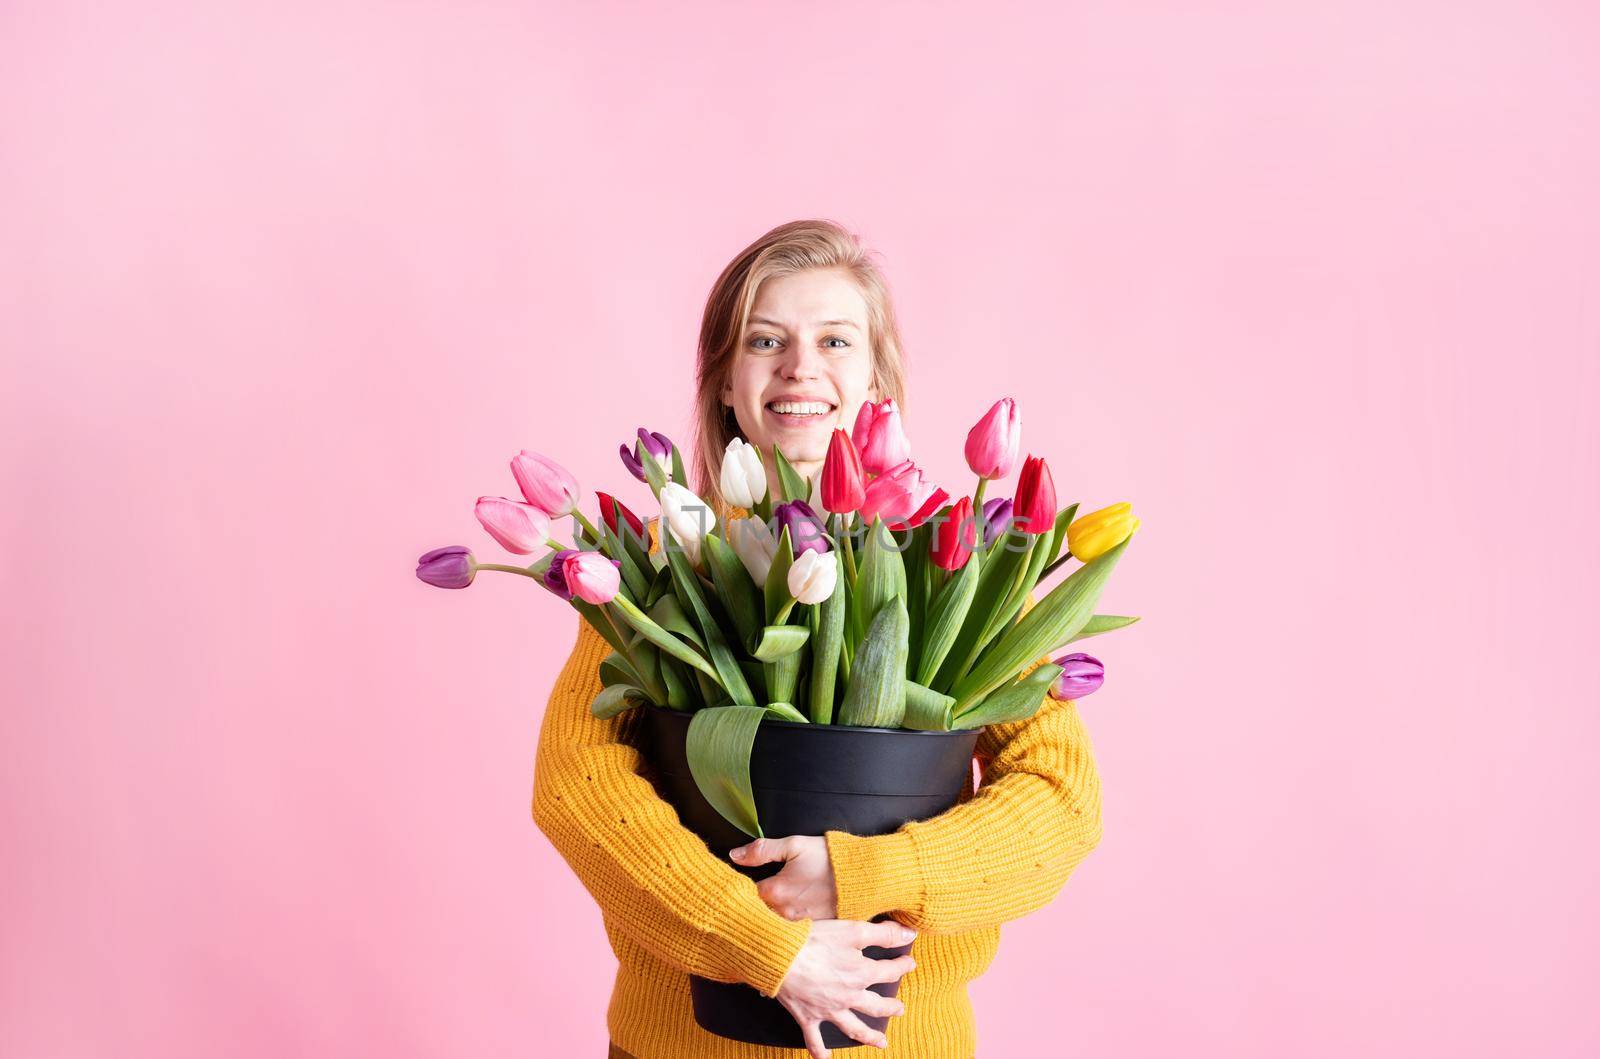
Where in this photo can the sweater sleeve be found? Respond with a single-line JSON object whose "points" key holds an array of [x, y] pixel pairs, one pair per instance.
{"points": [[1001, 854], [653, 877]]}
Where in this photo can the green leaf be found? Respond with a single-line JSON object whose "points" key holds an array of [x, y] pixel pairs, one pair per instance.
{"points": [[596, 617], [734, 587], [1014, 702], [791, 481], [615, 669], [718, 748], [783, 674], [683, 690], [1056, 619], [947, 616], [660, 582], [927, 710], [784, 711], [654, 474], [882, 576], [614, 698], [1100, 623], [668, 614], [662, 638], [776, 641], [633, 578], [777, 587], [725, 665], [677, 468], [876, 694], [995, 576], [827, 642]]}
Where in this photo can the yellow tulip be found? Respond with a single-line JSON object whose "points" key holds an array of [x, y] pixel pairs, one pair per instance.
{"points": [[1098, 532]]}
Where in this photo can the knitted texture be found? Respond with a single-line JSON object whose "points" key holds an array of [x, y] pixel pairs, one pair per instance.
{"points": [[671, 908]]}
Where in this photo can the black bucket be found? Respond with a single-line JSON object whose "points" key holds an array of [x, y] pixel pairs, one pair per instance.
{"points": [[807, 779]]}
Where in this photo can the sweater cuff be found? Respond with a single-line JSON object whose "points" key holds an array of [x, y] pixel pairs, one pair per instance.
{"points": [[759, 945], [876, 874]]}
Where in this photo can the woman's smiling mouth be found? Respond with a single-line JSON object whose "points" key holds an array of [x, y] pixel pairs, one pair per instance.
{"points": [[799, 412]]}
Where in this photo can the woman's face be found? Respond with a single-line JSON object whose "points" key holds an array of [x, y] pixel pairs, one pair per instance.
{"points": [[805, 351]]}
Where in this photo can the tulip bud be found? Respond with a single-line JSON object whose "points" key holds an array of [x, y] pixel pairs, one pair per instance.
{"points": [[688, 517], [992, 444], [450, 567], [1035, 505], [609, 508], [753, 542], [1098, 532], [996, 518], [813, 576], [879, 437], [953, 540], [545, 484], [842, 487], [1081, 675], [555, 575], [591, 576], [744, 479], [656, 446], [519, 528], [806, 531]]}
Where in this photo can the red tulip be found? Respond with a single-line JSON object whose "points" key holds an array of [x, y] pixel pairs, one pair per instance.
{"points": [[1034, 507], [842, 487], [609, 513], [953, 540]]}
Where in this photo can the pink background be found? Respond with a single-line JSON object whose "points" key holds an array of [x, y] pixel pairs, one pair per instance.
{"points": [[283, 290]]}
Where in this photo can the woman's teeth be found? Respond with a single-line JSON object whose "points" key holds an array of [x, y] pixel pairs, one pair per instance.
{"points": [[800, 408]]}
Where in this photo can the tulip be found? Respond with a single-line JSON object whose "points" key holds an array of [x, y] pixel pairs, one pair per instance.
{"points": [[925, 510], [842, 487], [813, 576], [755, 544], [993, 443], [891, 496], [451, 567], [656, 444], [689, 518], [555, 575], [609, 508], [806, 531], [520, 528], [591, 576], [545, 484], [1098, 532], [1035, 505], [996, 515], [953, 540], [879, 437], [744, 479], [1081, 675]]}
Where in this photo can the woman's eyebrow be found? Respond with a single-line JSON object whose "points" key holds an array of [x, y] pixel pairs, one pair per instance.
{"points": [[820, 323]]}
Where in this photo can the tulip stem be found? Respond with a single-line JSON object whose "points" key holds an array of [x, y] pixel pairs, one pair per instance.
{"points": [[1047, 571], [977, 494], [524, 571], [586, 524]]}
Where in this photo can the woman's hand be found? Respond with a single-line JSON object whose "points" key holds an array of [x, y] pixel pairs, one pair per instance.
{"points": [[830, 976], [803, 887]]}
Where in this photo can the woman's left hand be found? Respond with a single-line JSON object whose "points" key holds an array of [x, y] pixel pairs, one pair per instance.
{"points": [[803, 887]]}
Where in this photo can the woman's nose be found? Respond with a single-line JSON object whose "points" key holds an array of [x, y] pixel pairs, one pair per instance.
{"points": [[801, 361]]}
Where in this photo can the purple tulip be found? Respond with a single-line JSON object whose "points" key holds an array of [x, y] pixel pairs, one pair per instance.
{"points": [[807, 532], [1081, 675], [996, 513], [451, 567], [555, 575], [658, 445]]}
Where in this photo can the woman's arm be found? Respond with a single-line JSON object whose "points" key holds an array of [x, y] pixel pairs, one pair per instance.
{"points": [[998, 856], [653, 876]]}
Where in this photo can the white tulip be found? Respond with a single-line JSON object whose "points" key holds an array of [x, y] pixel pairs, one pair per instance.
{"points": [[688, 517], [753, 542], [813, 577], [744, 480]]}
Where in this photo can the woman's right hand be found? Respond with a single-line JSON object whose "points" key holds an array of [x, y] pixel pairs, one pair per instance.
{"points": [[830, 976]]}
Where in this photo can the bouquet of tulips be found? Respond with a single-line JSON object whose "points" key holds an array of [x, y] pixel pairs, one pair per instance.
{"points": [[892, 607]]}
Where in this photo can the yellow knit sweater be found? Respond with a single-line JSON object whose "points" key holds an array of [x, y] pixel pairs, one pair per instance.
{"points": [[671, 908]]}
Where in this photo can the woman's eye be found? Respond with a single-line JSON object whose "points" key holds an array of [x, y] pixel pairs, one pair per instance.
{"points": [[842, 343], [756, 342]]}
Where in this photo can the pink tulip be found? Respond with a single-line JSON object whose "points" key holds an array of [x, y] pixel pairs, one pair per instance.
{"points": [[993, 444], [891, 496], [519, 528], [591, 576], [879, 437], [545, 484]]}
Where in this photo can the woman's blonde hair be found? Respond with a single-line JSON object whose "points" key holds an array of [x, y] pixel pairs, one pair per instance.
{"points": [[789, 248]]}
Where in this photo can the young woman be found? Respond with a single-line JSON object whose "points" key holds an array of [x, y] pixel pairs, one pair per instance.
{"points": [[798, 333]]}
